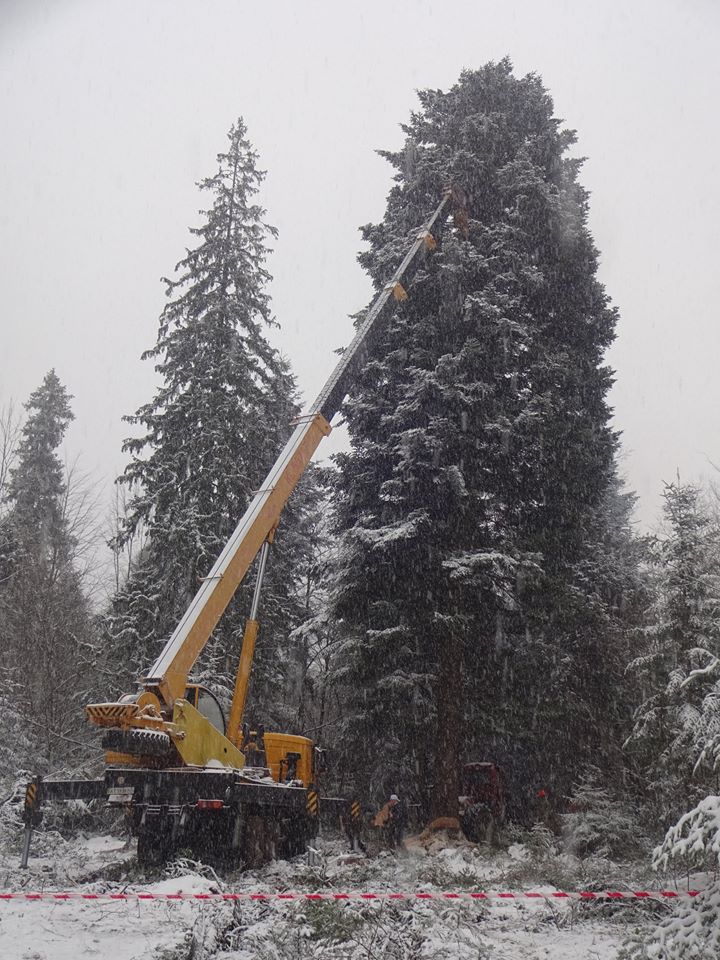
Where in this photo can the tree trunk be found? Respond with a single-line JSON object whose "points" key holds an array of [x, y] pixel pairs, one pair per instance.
{"points": [[447, 738]]}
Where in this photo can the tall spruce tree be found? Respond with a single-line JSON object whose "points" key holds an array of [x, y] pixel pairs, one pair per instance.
{"points": [[209, 435], [677, 726], [44, 613], [471, 501]]}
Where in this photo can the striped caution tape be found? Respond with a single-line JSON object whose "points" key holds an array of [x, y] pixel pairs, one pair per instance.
{"points": [[59, 896]]}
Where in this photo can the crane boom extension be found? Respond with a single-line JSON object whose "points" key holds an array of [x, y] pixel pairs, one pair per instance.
{"points": [[168, 675], [332, 394]]}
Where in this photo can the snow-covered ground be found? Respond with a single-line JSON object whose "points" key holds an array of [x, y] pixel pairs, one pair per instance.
{"points": [[391, 930]]}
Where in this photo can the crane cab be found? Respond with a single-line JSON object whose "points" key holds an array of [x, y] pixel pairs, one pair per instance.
{"points": [[289, 758], [207, 704]]}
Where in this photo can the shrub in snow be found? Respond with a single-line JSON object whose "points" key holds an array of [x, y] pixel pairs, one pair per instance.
{"points": [[16, 748], [11, 826], [328, 922], [540, 841], [600, 824]]}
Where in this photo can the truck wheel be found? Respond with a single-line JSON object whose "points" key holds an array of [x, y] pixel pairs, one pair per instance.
{"points": [[227, 841], [477, 822], [153, 848], [262, 840], [254, 841], [294, 837]]}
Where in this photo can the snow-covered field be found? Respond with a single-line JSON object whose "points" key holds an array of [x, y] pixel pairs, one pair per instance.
{"points": [[391, 930]]}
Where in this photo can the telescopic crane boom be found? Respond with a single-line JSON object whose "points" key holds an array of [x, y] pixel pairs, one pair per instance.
{"points": [[169, 673], [170, 759], [166, 681]]}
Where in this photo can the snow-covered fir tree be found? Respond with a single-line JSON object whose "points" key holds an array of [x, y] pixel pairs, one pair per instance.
{"points": [[207, 439], [677, 724], [471, 502], [559, 705], [45, 616], [691, 929]]}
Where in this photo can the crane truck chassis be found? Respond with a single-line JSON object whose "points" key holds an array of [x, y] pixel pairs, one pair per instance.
{"points": [[218, 815], [185, 778]]}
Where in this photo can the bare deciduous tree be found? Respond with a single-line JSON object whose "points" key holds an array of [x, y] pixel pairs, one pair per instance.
{"points": [[10, 429]]}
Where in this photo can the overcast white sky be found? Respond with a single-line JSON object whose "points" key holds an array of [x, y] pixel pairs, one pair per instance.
{"points": [[110, 111]]}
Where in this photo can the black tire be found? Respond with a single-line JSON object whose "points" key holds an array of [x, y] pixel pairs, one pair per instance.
{"points": [[295, 834], [218, 838], [257, 841], [154, 847], [477, 823]]}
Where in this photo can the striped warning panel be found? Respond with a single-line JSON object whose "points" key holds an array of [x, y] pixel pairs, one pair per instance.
{"points": [[108, 714], [313, 803]]}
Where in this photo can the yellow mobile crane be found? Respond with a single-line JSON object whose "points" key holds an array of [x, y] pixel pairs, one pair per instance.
{"points": [[187, 779]]}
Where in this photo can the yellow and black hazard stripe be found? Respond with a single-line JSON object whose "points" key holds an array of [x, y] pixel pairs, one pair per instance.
{"points": [[107, 714], [355, 810], [31, 812], [312, 804], [31, 795]]}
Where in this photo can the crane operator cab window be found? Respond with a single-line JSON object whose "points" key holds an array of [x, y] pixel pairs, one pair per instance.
{"points": [[206, 704]]}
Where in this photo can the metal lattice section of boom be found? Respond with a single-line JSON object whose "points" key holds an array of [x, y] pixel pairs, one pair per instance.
{"points": [[168, 674]]}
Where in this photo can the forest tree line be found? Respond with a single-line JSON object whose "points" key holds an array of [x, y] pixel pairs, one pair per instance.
{"points": [[465, 582]]}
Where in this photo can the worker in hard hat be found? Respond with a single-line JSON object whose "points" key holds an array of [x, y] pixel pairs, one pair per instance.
{"points": [[392, 819]]}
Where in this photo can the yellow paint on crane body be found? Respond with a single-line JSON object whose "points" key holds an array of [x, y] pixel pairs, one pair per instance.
{"points": [[242, 681], [279, 745], [198, 742]]}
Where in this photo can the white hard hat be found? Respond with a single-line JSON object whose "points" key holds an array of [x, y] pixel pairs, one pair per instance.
{"points": [[394, 796]]}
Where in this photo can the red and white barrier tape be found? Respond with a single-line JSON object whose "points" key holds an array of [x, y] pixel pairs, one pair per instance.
{"points": [[59, 896]]}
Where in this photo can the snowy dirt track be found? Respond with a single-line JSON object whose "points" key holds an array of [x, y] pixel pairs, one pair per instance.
{"points": [[133, 931], [176, 930], [65, 931]]}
